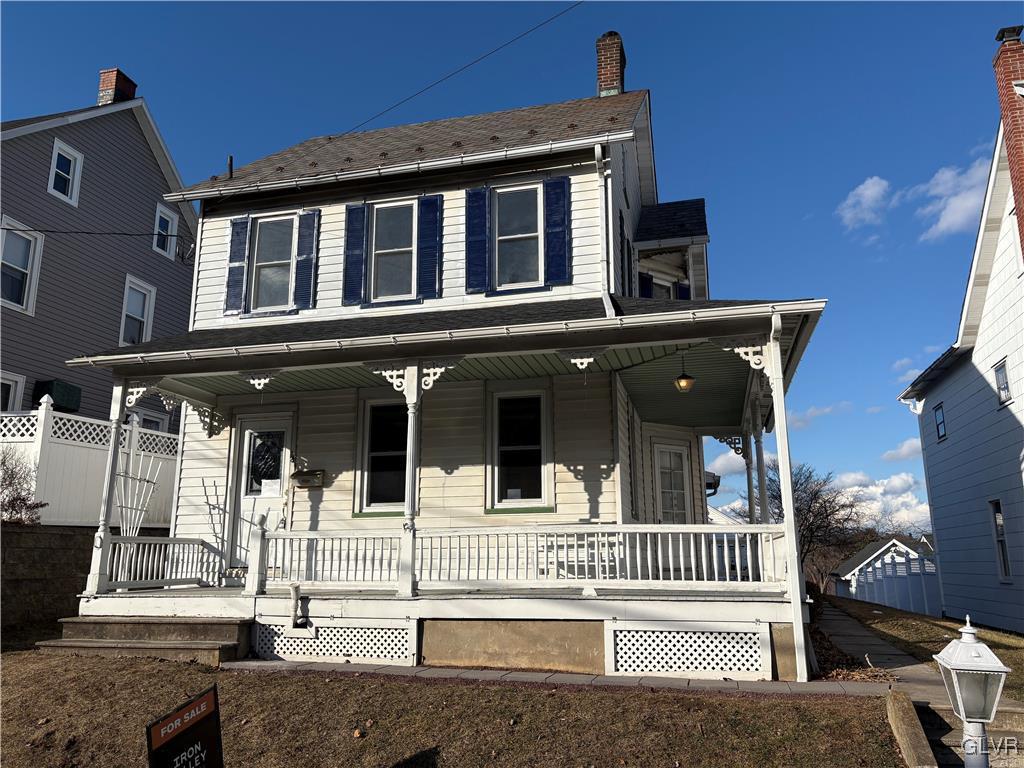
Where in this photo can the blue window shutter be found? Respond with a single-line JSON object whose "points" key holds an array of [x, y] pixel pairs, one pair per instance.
{"points": [[557, 246], [646, 285], [478, 240], [428, 247], [683, 291], [353, 290], [304, 293], [238, 260]]}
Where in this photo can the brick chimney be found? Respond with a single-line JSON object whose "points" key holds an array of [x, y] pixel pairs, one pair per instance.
{"points": [[611, 64], [115, 86], [1009, 67]]}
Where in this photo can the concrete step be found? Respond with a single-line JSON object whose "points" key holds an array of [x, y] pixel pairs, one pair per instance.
{"points": [[1004, 752], [157, 628], [1009, 717], [207, 652]]}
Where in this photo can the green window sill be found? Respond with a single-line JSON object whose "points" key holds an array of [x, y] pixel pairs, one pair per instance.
{"points": [[383, 513], [519, 511]]}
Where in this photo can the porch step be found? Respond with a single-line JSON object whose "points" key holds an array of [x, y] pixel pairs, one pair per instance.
{"points": [[157, 628], [1009, 717], [945, 731], [208, 652]]}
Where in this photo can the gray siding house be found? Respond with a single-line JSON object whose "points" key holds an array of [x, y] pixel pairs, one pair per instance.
{"points": [[70, 284]]}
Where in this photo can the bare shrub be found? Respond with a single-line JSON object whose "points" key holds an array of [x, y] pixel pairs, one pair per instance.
{"points": [[17, 489]]}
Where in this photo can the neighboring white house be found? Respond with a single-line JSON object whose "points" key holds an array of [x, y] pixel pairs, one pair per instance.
{"points": [[900, 574], [970, 401], [429, 386]]}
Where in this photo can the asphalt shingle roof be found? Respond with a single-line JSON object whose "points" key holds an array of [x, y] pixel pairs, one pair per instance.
{"points": [[682, 218], [452, 137]]}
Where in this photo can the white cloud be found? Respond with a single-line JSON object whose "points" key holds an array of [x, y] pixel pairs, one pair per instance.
{"points": [[908, 449], [951, 198], [727, 464], [852, 479], [903, 362], [931, 349], [874, 409], [865, 203], [803, 419], [909, 375], [894, 485], [890, 501]]}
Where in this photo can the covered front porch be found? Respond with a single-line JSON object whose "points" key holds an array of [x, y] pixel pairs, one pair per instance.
{"points": [[288, 510]]}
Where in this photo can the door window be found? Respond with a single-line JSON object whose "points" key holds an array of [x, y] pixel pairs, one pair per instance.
{"points": [[672, 485], [264, 473]]}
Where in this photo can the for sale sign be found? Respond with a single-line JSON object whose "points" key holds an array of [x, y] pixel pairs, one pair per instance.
{"points": [[188, 737]]}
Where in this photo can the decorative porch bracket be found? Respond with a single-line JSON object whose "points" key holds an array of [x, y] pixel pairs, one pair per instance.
{"points": [[170, 401], [259, 379], [581, 358], [432, 370], [735, 442], [138, 389]]}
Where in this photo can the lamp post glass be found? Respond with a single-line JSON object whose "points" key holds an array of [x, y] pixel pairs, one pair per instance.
{"points": [[973, 676]]}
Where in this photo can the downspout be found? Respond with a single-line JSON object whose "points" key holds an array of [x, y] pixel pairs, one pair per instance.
{"points": [[606, 233]]}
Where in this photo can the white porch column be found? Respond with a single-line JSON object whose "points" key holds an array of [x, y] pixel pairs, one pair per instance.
{"points": [[762, 477], [796, 577], [96, 584], [407, 565], [748, 460]]}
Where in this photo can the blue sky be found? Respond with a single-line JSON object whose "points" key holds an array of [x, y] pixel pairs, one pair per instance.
{"points": [[842, 148]]}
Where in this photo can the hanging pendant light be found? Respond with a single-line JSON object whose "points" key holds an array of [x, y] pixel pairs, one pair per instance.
{"points": [[684, 382]]}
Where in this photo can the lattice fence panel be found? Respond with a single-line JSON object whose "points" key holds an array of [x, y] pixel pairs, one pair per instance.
{"points": [[650, 650], [18, 427], [159, 443], [74, 430], [355, 643]]}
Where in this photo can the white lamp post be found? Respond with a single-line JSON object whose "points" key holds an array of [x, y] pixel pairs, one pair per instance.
{"points": [[974, 678]]}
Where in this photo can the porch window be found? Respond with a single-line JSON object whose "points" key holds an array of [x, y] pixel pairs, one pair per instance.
{"points": [[394, 252], [520, 449], [274, 247], [385, 454], [518, 215], [265, 452]]}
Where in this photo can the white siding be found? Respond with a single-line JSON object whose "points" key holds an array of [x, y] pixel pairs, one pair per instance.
{"points": [[586, 255], [202, 482], [664, 434], [980, 459]]}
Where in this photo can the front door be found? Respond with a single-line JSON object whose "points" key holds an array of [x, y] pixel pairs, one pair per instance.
{"points": [[261, 479], [673, 494]]}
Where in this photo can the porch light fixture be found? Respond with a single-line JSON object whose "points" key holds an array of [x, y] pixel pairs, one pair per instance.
{"points": [[684, 382], [974, 678]]}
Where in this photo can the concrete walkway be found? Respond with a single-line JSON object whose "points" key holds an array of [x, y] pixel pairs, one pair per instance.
{"points": [[834, 688]]}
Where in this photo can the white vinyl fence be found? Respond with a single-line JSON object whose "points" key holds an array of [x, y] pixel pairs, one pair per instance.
{"points": [[906, 583], [70, 456]]}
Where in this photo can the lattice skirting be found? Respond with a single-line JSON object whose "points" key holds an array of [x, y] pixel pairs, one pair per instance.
{"points": [[739, 651], [380, 641]]}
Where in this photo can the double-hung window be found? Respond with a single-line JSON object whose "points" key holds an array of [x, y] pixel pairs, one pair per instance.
{"points": [[1002, 383], [19, 274], [518, 223], [65, 172], [999, 530], [273, 243], [137, 311], [940, 422], [393, 263], [165, 227], [12, 389], [520, 450], [384, 477]]}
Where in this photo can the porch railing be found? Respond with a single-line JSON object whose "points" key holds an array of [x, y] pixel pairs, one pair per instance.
{"points": [[333, 558], [155, 561]]}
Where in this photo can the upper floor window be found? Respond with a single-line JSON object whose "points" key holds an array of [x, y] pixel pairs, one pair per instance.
{"points": [[940, 422], [273, 253], [518, 252], [137, 311], [19, 274], [165, 227], [1002, 383], [393, 252], [65, 172]]}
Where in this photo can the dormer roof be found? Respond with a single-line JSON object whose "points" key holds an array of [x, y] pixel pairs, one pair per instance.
{"points": [[681, 219]]}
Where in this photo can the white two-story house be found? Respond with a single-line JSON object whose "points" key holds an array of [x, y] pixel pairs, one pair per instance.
{"points": [[445, 389], [970, 401]]}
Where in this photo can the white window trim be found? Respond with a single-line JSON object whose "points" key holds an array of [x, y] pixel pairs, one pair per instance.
{"points": [[683, 448], [935, 422], [364, 507], [76, 179], [35, 263], [163, 418], [372, 264], [17, 382], [521, 389], [250, 288], [1005, 576], [172, 231], [150, 291], [995, 374], [495, 192]]}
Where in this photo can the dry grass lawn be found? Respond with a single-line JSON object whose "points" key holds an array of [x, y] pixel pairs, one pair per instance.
{"points": [[921, 636], [87, 711]]}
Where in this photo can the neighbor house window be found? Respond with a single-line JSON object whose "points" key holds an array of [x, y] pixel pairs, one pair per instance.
{"points": [[137, 311], [384, 478], [940, 422], [394, 251], [273, 252], [1002, 552], [65, 172], [12, 389], [1002, 383], [517, 213], [19, 275], [150, 419], [519, 452], [165, 227]]}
